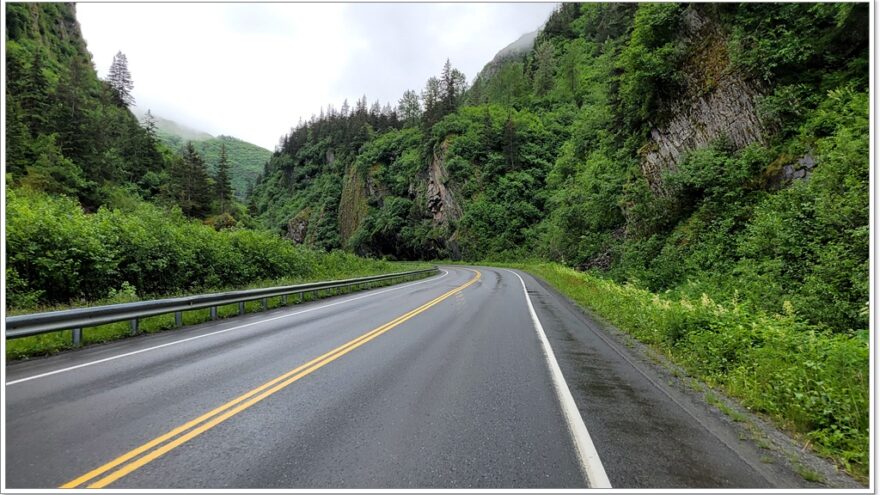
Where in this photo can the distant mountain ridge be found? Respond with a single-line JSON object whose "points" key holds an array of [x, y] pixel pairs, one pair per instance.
{"points": [[246, 159]]}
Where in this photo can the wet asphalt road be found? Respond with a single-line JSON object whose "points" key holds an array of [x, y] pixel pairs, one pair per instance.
{"points": [[459, 395]]}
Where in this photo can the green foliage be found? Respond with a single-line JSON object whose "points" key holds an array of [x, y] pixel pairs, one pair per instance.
{"points": [[246, 160], [59, 254], [783, 42], [68, 131], [650, 62], [813, 236], [190, 185]]}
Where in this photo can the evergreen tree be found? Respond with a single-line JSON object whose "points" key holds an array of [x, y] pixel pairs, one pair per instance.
{"points": [[120, 79], [190, 187], [409, 108], [223, 182], [35, 103], [71, 118], [453, 85], [151, 127], [545, 68], [431, 101], [361, 106], [17, 135]]}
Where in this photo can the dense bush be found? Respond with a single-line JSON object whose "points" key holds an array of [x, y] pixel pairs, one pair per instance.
{"points": [[58, 254]]}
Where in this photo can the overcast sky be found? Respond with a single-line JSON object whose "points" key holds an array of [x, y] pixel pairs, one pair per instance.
{"points": [[252, 70]]}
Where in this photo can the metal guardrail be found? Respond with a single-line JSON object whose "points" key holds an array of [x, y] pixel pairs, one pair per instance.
{"points": [[77, 319]]}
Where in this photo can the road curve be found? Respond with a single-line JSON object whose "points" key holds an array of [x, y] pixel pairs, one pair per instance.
{"points": [[444, 382]]}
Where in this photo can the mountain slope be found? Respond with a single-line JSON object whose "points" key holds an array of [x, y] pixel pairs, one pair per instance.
{"points": [[67, 131], [631, 138], [175, 134], [519, 48], [246, 159]]}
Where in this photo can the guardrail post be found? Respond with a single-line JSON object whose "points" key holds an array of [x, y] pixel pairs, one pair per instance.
{"points": [[301, 296], [284, 300], [213, 313], [77, 336], [240, 308], [178, 319], [135, 327], [265, 303]]}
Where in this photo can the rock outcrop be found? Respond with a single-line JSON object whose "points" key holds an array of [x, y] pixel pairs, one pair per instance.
{"points": [[716, 103], [440, 200], [352, 204], [298, 227]]}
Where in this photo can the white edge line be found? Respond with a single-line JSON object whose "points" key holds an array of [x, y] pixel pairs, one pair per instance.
{"points": [[99, 361], [587, 454]]}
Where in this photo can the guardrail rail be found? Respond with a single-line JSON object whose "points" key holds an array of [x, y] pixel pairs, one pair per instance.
{"points": [[80, 318]]}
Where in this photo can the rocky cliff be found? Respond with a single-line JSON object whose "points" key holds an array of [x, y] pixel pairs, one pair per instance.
{"points": [[716, 103]]}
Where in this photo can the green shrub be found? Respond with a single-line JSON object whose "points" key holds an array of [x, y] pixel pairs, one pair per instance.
{"points": [[59, 255]]}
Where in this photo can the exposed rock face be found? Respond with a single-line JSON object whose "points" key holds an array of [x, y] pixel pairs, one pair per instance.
{"points": [[799, 170], [787, 170], [297, 228], [440, 201], [716, 103], [352, 204]]}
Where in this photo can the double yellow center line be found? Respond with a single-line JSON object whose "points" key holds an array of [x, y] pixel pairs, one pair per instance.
{"points": [[146, 453]]}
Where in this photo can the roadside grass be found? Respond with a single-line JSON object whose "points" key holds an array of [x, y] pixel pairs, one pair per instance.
{"points": [[52, 343], [811, 382]]}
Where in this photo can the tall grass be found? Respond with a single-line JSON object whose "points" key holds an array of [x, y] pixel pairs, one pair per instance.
{"points": [[812, 382]]}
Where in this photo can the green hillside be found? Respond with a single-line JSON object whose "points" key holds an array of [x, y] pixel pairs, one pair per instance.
{"points": [[674, 146], [246, 159], [67, 132]]}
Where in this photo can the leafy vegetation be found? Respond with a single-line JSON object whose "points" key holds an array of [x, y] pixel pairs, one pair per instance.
{"points": [[58, 254], [73, 134]]}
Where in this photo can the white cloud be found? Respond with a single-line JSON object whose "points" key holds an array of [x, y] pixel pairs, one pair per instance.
{"points": [[252, 70]]}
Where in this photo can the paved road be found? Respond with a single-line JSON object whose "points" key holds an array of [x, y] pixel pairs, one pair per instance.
{"points": [[444, 382]]}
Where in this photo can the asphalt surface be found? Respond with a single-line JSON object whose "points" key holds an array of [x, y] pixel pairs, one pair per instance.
{"points": [[457, 395]]}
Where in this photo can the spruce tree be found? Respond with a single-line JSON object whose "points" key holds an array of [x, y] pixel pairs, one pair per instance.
{"points": [[190, 186], [150, 127], [545, 70], [223, 181], [17, 136], [35, 103], [120, 79]]}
